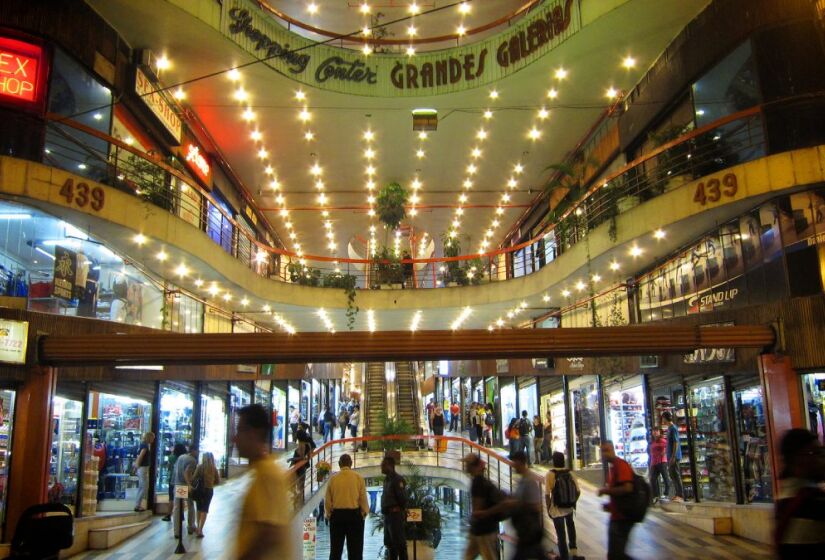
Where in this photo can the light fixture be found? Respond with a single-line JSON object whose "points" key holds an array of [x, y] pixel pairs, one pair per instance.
{"points": [[267, 308], [597, 278], [565, 293], [475, 153], [365, 8], [464, 8], [312, 8], [512, 183], [635, 251], [300, 95], [419, 153], [518, 168], [552, 93], [411, 31], [274, 184], [304, 115], [161, 256], [139, 238], [462, 317], [367, 49], [471, 169], [659, 234], [227, 296], [233, 75], [371, 325], [543, 113], [42, 251], [410, 50], [467, 183], [422, 135], [179, 94], [248, 115], [414, 8], [494, 94], [614, 266], [256, 135], [163, 63], [534, 133], [263, 154], [416, 319], [198, 283], [316, 170], [244, 302], [629, 62], [460, 30], [309, 135], [560, 73], [182, 270], [369, 153], [545, 298], [488, 114], [269, 170], [370, 170], [481, 134], [611, 93], [241, 95]]}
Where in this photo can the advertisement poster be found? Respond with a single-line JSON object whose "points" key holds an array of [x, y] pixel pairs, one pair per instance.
{"points": [[65, 272], [14, 336], [309, 538]]}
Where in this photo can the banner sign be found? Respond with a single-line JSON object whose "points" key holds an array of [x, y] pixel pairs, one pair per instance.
{"points": [[153, 99], [309, 538], [429, 73], [23, 68], [65, 273], [14, 337], [198, 162]]}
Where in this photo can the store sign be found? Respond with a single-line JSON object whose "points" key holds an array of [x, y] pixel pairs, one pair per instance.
{"points": [[712, 300], [436, 72], [712, 355], [19, 67], [502, 366], [310, 530], [157, 104], [197, 162], [14, 337], [65, 273], [575, 363]]}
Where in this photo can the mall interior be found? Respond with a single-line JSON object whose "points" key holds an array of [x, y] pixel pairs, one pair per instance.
{"points": [[594, 211]]}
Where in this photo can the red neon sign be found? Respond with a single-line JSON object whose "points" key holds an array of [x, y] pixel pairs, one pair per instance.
{"points": [[19, 70], [197, 162]]}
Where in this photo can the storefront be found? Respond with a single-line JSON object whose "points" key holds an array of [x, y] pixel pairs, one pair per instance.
{"points": [[528, 396], [586, 414], [175, 425], [119, 415], [239, 397], [509, 405], [813, 390], [64, 466], [712, 441], [626, 420], [280, 415], [213, 423], [7, 401], [668, 395], [752, 438]]}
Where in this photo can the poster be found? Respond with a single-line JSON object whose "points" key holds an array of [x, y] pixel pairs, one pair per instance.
{"points": [[14, 336], [65, 272], [309, 538]]}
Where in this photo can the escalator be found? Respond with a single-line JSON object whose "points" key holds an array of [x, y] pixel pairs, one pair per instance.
{"points": [[408, 396], [376, 399]]}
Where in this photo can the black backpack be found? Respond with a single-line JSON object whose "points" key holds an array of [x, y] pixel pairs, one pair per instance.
{"points": [[489, 420], [524, 427], [633, 506], [565, 493]]}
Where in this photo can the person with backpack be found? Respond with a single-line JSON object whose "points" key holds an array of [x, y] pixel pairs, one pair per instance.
{"points": [[489, 424], [525, 431], [513, 437], [620, 482], [483, 527], [561, 495]]}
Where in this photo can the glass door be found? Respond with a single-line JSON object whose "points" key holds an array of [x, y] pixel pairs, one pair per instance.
{"points": [[712, 447], [586, 411], [66, 448], [753, 444]]}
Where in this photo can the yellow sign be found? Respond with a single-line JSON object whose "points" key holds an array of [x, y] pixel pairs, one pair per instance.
{"points": [[14, 338], [414, 515], [181, 492]]}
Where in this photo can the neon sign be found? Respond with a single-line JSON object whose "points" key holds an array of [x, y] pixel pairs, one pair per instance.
{"points": [[19, 70], [197, 162]]}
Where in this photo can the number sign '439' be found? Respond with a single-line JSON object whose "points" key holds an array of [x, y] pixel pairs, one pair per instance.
{"points": [[713, 190]]}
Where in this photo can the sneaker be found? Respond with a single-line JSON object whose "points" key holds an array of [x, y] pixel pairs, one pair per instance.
{"points": [[166, 518], [677, 499]]}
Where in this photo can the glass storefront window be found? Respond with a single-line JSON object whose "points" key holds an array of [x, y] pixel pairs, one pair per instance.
{"points": [[508, 407], [7, 399], [728, 87], [558, 423], [527, 400], [175, 426], [239, 397], [585, 408], [280, 417], [813, 388], [66, 447], [213, 428], [753, 444], [712, 445], [627, 426], [671, 398], [117, 424]]}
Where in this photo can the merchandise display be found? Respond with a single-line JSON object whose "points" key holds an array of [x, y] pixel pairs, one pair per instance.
{"points": [[558, 419], [753, 445], [672, 399], [712, 446], [584, 405], [239, 397], [813, 388], [279, 418], [65, 460], [213, 428], [6, 427], [627, 426], [117, 424], [175, 426], [508, 408]]}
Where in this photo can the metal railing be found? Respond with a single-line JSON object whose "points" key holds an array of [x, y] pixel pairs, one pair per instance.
{"points": [[734, 139]]}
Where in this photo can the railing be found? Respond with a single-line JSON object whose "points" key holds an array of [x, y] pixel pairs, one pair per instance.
{"points": [[735, 139]]}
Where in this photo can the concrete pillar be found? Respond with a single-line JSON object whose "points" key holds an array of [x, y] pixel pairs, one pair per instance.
{"points": [[31, 445]]}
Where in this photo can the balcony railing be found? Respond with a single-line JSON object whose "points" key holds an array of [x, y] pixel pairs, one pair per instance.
{"points": [[732, 140]]}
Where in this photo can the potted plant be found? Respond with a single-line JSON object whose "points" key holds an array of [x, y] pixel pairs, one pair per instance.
{"points": [[347, 283], [474, 271], [392, 427], [425, 535], [303, 274], [387, 269], [453, 274], [390, 205], [322, 470], [673, 165]]}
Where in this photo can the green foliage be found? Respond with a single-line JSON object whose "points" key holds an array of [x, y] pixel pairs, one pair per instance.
{"points": [[387, 267], [390, 205], [303, 274], [150, 181], [474, 271], [347, 283], [421, 494], [453, 271]]}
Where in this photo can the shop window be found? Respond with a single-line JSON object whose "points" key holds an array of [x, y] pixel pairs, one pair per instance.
{"points": [[239, 397], [671, 398], [64, 467], [218, 226], [712, 445], [213, 428], [813, 389], [7, 400], [753, 444], [729, 87], [76, 94], [558, 423], [586, 410], [280, 416], [626, 423], [174, 427]]}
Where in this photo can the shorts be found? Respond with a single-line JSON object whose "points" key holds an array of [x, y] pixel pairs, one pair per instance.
{"points": [[204, 499]]}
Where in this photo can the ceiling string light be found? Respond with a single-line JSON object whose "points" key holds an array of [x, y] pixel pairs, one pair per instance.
{"points": [[462, 317], [369, 137]]}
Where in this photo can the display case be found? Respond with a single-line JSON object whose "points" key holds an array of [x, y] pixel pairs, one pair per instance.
{"points": [[626, 413], [712, 445], [174, 426], [213, 428], [753, 444], [672, 399], [586, 409], [558, 419], [7, 399], [66, 448]]}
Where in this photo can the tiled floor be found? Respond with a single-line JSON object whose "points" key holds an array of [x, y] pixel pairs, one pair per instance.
{"points": [[658, 537]]}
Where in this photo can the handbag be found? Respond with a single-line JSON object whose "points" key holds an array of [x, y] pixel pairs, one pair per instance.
{"points": [[196, 487]]}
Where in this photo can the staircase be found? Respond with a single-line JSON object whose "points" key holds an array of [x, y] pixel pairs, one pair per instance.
{"points": [[376, 399], [408, 397]]}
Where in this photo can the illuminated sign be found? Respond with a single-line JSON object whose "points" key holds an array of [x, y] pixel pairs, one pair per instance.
{"points": [[19, 70], [14, 336], [197, 162], [157, 104]]}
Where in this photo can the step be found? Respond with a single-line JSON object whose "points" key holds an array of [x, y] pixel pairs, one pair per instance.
{"points": [[107, 537], [711, 525]]}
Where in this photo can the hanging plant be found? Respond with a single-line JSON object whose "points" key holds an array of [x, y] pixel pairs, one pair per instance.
{"points": [[390, 205], [347, 283]]}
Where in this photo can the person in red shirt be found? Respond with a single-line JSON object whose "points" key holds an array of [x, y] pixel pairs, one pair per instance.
{"points": [[658, 464], [619, 483], [455, 414]]}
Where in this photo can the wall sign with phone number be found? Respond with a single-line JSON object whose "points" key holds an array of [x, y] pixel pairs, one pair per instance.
{"points": [[82, 195], [713, 189]]}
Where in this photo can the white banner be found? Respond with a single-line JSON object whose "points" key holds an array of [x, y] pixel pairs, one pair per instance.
{"points": [[14, 337]]}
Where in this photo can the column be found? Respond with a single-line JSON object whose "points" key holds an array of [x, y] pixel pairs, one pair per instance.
{"points": [[783, 405], [31, 444]]}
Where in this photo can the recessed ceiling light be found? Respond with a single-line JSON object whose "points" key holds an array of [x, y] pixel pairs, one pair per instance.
{"points": [[561, 73], [422, 135], [305, 115], [179, 94], [614, 266], [369, 135], [629, 62], [365, 31], [518, 168], [367, 50], [256, 135], [234, 75], [240, 94], [461, 30], [488, 114], [471, 169], [411, 30], [543, 113], [475, 153], [140, 239], [161, 256], [419, 154], [248, 115], [315, 170], [659, 234], [565, 293], [410, 50], [494, 94], [365, 8], [312, 8], [464, 8], [534, 133], [300, 95], [244, 302], [309, 135], [481, 134], [552, 93], [263, 154], [467, 183], [635, 251], [163, 63], [414, 8], [611, 93]]}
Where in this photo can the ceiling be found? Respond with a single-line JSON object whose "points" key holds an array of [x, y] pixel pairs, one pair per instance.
{"points": [[593, 59]]}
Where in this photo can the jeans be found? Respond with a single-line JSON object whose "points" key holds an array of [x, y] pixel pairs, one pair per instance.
{"points": [[526, 444], [676, 478], [655, 472], [143, 485], [328, 432], [537, 444], [394, 538], [617, 536], [190, 516], [566, 540], [346, 524], [454, 422]]}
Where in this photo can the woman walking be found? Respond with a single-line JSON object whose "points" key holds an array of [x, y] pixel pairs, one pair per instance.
{"points": [[538, 438], [439, 422], [141, 466], [205, 479]]}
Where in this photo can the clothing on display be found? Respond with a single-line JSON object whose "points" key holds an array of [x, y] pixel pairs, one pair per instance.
{"points": [[672, 399], [712, 446], [813, 387], [175, 426], [627, 426], [584, 405], [6, 428], [753, 445], [239, 398], [64, 475], [213, 428], [558, 432]]}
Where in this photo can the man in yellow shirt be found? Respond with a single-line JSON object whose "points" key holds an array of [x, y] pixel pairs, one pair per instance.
{"points": [[346, 507], [263, 527]]}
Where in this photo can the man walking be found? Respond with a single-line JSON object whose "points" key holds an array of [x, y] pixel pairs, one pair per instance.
{"points": [[455, 415], [265, 516], [394, 506], [525, 431], [619, 483], [346, 508], [674, 455], [184, 471], [527, 511], [561, 494], [483, 526]]}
